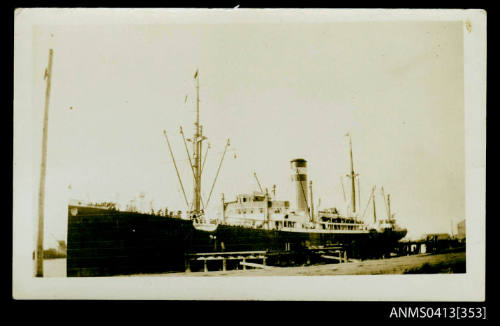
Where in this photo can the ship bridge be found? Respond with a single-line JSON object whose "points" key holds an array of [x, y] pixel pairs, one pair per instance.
{"points": [[255, 208]]}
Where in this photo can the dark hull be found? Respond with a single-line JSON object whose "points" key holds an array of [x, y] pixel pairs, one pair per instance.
{"points": [[380, 244], [103, 243], [239, 238], [125, 243]]}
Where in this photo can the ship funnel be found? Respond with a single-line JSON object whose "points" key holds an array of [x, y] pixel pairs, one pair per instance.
{"points": [[299, 178]]}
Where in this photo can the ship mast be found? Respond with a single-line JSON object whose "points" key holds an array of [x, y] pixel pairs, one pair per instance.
{"points": [[386, 203], [197, 162], [352, 175], [197, 141], [389, 206]]}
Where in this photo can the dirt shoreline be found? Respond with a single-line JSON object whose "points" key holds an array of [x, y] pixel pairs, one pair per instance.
{"points": [[453, 262]]}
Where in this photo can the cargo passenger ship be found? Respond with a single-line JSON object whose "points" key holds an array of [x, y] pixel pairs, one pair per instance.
{"points": [[105, 241]]}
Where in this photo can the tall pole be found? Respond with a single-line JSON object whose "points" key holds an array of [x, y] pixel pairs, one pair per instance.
{"points": [[352, 177], [43, 167], [389, 206], [196, 150]]}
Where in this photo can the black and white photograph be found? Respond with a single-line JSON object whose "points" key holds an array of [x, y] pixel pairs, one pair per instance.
{"points": [[270, 154]]}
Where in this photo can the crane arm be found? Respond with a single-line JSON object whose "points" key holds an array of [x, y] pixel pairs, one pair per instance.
{"points": [[258, 183]]}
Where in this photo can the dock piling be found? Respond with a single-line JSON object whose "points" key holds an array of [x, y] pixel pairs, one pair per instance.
{"points": [[223, 257]]}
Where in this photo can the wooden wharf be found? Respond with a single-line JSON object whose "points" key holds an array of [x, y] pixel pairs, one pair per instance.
{"points": [[259, 259], [226, 256], [338, 253]]}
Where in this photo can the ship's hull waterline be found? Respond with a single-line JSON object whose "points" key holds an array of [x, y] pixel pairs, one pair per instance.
{"points": [[104, 243]]}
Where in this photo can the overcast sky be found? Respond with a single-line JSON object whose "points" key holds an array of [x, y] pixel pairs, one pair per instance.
{"points": [[278, 91]]}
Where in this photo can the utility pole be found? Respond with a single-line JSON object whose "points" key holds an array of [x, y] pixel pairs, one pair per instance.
{"points": [[43, 167]]}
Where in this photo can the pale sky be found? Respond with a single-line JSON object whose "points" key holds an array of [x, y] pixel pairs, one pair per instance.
{"points": [[278, 91]]}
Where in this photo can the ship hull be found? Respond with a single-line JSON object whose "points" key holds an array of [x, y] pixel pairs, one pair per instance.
{"points": [[380, 244], [116, 243], [240, 238], [105, 243]]}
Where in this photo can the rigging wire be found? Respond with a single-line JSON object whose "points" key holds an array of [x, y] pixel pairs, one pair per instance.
{"points": [[367, 204], [176, 170], [217, 174]]}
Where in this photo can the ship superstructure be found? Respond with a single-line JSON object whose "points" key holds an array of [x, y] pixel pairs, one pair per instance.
{"points": [[260, 210]]}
